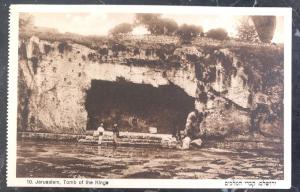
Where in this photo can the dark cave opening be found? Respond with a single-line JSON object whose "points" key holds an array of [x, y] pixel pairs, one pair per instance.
{"points": [[136, 107]]}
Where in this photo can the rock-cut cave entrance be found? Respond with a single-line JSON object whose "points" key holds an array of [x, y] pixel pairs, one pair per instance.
{"points": [[136, 107]]}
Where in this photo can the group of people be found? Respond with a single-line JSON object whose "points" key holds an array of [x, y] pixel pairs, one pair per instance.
{"points": [[100, 132]]}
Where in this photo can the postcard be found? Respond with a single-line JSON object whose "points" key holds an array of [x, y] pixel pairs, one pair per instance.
{"points": [[115, 96]]}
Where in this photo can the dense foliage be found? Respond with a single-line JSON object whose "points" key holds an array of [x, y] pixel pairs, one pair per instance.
{"points": [[155, 24], [247, 31], [219, 34], [188, 32], [123, 28]]}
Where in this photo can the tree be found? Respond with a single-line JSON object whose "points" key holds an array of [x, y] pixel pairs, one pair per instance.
{"points": [[123, 28], [247, 31], [219, 34], [155, 24], [146, 18], [188, 32], [170, 26], [265, 27]]}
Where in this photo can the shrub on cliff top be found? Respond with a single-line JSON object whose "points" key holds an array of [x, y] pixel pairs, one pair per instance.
{"points": [[188, 32], [169, 26], [218, 34], [155, 24], [123, 28]]}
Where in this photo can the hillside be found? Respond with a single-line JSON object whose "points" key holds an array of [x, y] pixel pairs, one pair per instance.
{"points": [[57, 70]]}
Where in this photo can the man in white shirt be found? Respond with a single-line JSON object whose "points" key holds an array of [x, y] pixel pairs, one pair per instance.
{"points": [[100, 130]]}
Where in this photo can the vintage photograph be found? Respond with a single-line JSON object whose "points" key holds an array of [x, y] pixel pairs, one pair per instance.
{"points": [[142, 95]]}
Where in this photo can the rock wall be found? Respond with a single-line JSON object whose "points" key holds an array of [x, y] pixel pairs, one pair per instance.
{"points": [[55, 76]]}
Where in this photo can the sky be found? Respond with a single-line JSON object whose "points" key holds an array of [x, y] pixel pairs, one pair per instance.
{"points": [[102, 23]]}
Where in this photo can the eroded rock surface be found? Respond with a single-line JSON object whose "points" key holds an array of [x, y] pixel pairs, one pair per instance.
{"points": [[54, 77]]}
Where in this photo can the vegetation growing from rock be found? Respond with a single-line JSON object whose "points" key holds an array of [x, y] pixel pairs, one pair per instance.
{"points": [[34, 61], [47, 49], [64, 46], [91, 41], [92, 57]]}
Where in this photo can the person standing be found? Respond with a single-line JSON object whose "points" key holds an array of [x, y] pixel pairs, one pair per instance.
{"points": [[134, 123], [101, 133], [115, 134]]}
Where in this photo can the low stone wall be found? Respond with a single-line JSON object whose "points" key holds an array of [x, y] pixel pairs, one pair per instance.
{"points": [[251, 142]]}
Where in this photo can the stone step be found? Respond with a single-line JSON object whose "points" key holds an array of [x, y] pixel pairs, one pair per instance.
{"points": [[132, 139], [136, 135], [125, 139], [123, 143]]}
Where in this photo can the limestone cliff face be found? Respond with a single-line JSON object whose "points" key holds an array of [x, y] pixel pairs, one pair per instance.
{"points": [[54, 78]]}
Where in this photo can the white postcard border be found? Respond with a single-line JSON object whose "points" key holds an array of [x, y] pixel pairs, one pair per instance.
{"points": [[13, 181]]}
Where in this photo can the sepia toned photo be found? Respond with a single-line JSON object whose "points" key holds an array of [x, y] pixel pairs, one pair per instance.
{"points": [[149, 95]]}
